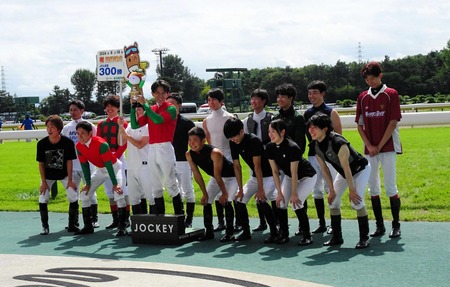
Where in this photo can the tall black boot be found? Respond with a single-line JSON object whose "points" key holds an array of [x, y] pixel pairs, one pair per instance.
{"points": [[190, 207], [152, 208], [43, 210], [395, 210], [94, 215], [377, 211], [284, 226], [304, 223], [275, 212], [178, 205], [160, 206], [220, 216], [336, 238], [136, 209], [238, 222], [123, 216], [300, 232], [73, 217], [115, 222], [144, 208], [363, 224], [262, 218], [320, 208], [243, 214], [87, 219], [229, 220], [207, 222], [271, 222]]}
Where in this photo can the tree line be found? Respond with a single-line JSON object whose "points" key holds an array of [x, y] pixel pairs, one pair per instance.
{"points": [[418, 78]]}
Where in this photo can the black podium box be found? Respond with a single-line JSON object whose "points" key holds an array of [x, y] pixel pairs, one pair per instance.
{"points": [[162, 229]]}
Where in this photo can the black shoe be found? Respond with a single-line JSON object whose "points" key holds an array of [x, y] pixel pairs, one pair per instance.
{"points": [[114, 224], [85, 230], [72, 229], [379, 231], [334, 241], [305, 241], [220, 227], [121, 232], [45, 231], [299, 232], [330, 230], [320, 229], [206, 236], [363, 243], [271, 239], [243, 236], [395, 232], [260, 227], [283, 240], [227, 238], [237, 228]]}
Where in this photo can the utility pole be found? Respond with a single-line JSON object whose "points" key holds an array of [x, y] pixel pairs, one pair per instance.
{"points": [[3, 80], [160, 52], [359, 53]]}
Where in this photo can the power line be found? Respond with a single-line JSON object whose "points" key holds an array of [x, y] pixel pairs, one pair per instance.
{"points": [[160, 52]]}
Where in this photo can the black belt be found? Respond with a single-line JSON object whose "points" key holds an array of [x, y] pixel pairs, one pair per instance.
{"points": [[144, 163]]}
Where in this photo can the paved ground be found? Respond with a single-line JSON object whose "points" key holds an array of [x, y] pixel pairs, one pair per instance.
{"points": [[421, 257]]}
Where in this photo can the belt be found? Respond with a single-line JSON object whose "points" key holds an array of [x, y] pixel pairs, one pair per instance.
{"points": [[144, 163]]}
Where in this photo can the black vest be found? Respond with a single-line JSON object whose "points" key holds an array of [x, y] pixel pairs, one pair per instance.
{"points": [[252, 126]]}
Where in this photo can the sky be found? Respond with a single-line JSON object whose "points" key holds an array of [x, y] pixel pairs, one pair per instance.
{"points": [[42, 43]]}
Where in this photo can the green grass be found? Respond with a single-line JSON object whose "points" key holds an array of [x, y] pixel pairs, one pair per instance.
{"points": [[422, 178]]}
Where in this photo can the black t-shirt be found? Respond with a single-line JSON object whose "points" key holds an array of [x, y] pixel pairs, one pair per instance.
{"points": [[250, 147], [285, 153], [55, 156], [180, 137], [204, 161], [322, 109]]}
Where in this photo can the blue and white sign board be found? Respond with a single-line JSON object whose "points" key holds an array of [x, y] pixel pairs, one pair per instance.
{"points": [[111, 65]]}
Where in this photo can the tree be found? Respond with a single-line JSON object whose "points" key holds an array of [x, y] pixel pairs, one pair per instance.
{"points": [[56, 103], [84, 83]]}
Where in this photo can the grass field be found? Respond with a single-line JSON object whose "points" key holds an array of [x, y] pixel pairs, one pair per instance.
{"points": [[423, 184]]}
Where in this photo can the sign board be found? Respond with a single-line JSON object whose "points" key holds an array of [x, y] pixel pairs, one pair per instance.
{"points": [[111, 65]]}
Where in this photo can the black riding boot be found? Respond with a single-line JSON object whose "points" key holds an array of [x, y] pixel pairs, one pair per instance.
{"points": [[336, 238], [395, 210], [123, 216], [115, 222], [243, 215], [190, 207], [144, 208], [208, 223], [320, 208], [88, 228], [304, 223], [160, 206], [43, 210], [220, 216], [284, 227], [178, 205], [262, 219], [94, 215], [136, 209], [73, 217], [363, 224], [377, 211]]}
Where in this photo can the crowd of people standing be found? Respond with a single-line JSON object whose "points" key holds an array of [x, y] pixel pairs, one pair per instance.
{"points": [[166, 151]]}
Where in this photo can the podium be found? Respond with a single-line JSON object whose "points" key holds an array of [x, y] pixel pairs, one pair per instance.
{"points": [[162, 229]]}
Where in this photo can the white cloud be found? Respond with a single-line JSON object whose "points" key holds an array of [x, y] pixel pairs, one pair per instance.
{"points": [[44, 42]]}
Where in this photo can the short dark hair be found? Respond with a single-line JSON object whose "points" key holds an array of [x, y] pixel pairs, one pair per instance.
{"points": [[286, 90], [112, 100], [77, 103], [197, 131], [262, 94], [160, 83], [232, 127], [279, 125], [216, 93], [56, 121], [177, 97], [317, 85], [371, 69], [85, 125], [321, 121]]}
